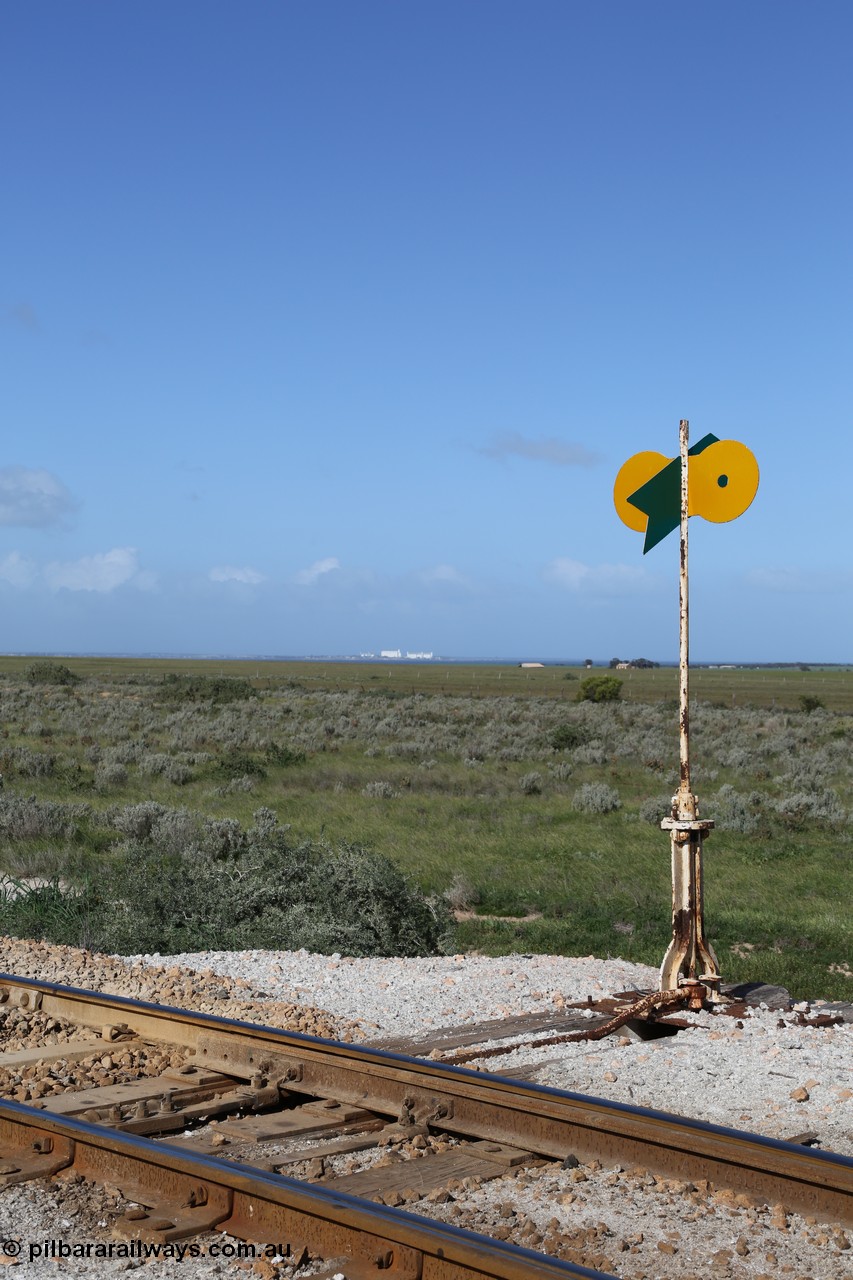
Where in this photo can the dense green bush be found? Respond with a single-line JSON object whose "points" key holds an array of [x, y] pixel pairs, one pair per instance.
{"points": [[239, 764], [600, 689], [215, 689], [50, 673], [568, 736], [218, 890]]}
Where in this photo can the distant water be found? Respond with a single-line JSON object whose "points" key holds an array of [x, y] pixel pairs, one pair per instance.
{"points": [[435, 660]]}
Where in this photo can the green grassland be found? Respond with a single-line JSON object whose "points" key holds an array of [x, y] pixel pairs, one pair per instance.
{"points": [[743, 686], [535, 815]]}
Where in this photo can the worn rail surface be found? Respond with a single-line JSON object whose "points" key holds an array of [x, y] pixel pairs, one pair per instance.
{"points": [[244, 1068], [188, 1193]]}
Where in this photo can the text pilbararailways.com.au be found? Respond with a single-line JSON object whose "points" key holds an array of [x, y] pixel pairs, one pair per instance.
{"points": [[144, 1250]]}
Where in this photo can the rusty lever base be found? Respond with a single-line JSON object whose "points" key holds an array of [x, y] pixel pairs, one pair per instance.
{"points": [[690, 960]]}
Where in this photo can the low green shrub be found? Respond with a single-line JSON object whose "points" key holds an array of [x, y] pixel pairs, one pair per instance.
{"points": [[261, 892], [239, 764], [50, 673], [568, 736], [600, 689], [215, 689], [283, 755]]}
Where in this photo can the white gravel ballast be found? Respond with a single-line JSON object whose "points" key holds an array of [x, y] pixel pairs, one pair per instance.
{"points": [[761, 1072], [750, 1073]]}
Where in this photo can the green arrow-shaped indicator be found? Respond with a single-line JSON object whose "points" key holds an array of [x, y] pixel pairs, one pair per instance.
{"points": [[660, 497]]}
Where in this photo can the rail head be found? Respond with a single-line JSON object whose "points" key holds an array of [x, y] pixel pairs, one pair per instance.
{"points": [[188, 1192]]}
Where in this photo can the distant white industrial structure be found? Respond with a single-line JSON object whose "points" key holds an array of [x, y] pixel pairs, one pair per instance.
{"points": [[398, 653]]}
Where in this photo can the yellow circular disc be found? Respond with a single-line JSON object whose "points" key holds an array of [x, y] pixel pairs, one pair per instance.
{"points": [[723, 480], [633, 474]]}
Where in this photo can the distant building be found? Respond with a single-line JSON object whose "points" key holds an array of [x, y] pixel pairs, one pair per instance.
{"points": [[531, 664], [419, 656], [390, 653]]}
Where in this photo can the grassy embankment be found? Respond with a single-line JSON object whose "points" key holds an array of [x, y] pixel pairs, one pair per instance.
{"points": [[489, 784]]}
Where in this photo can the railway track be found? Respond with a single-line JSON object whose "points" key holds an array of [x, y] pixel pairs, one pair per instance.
{"points": [[292, 1102]]}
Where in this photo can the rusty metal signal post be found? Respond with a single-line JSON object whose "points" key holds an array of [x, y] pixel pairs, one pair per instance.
{"points": [[655, 495], [690, 959]]}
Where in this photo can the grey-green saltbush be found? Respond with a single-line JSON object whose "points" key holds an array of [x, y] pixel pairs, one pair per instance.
{"points": [[531, 784], [379, 791], [261, 892], [173, 770], [810, 808], [655, 809], [31, 764], [733, 811], [596, 797], [110, 774], [26, 818], [136, 820], [235, 785]]}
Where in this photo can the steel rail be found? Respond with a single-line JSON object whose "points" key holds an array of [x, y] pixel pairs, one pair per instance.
{"points": [[188, 1193], [545, 1121]]}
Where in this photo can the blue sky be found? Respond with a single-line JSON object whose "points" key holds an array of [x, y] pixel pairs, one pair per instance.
{"points": [[326, 326]]}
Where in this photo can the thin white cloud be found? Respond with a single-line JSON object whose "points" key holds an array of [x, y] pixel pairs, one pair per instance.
{"points": [[791, 581], [444, 573], [33, 498], [102, 572], [308, 577], [17, 570], [599, 579], [558, 453], [228, 573]]}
